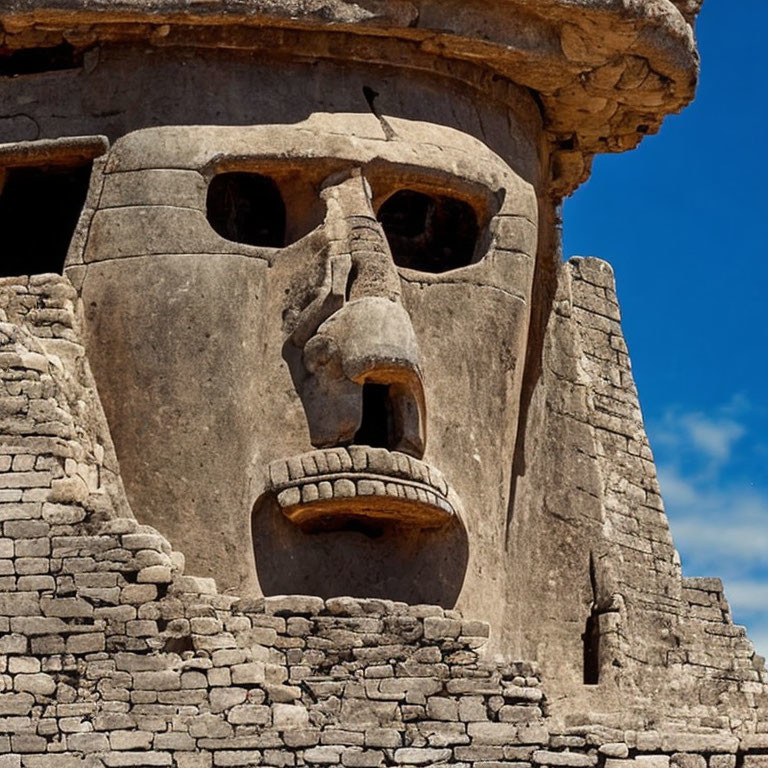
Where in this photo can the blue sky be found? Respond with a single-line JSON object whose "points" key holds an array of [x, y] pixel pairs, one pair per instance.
{"points": [[682, 220]]}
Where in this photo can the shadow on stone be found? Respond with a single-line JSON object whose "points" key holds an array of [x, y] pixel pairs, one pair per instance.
{"points": [[390, 562]]}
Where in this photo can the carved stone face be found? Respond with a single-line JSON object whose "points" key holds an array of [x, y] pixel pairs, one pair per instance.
{"points": [[309, 342]]}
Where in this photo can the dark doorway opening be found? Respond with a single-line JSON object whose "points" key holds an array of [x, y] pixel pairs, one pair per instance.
{"points": [[39, 210]]}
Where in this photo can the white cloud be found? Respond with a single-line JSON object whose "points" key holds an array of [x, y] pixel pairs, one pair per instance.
{"points": [[709, 439], [676, 490], [749, 596], [718, 519], [713, 437], [726, 529]]}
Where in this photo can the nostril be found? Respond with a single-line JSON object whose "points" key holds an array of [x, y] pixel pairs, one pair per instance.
{"points": [[377, 423]]}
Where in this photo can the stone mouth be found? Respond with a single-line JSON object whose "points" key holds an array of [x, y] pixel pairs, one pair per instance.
{"points": [[329, 487]]}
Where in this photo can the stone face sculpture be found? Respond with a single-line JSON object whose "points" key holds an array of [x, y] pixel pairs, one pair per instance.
{"points": [[310, 268], [337, 379]]}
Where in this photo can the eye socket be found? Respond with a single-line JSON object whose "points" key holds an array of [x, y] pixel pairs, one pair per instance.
{"points": [[247, 208], [430, 233]]}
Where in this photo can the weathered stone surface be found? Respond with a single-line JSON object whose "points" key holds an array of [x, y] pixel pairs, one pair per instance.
{"points": [[338, 354]]}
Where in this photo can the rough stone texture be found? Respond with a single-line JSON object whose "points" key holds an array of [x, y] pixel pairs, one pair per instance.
{"points": [[403, 457], [102, 666], [607, 71]]}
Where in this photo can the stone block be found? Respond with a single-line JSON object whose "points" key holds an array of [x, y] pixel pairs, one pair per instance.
{"points": [[699, 742], [302, 737], [15, 704], [136, 594], [722, 761], [88, 742], [66, 607], [566, 758], [39, 684], [116, 759], [293, 605], [249, 673], [421, 756], [19, 604], [165, 680], [687, 760], [441, 708], [362, 758], [193, 760], [209, 726], [493, 733], [287, 717], [323, 755], [249, 714], [385, 738], [222, 699], [440, 628], [23, 664], [443, 734], [154, 574], [236, 757], [130, 740], [615, 749]]}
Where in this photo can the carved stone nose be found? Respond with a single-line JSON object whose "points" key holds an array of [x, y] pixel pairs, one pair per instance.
{"points": [[359, 343]]}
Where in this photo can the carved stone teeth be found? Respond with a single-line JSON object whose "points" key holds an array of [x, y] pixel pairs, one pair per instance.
{"points": [[309, 465], [295, 468], [309, 493], [344, 458], [325, 490], [437, 481], [278, 473], [344, 489], [380, 461], [359, 456], [403, 465], [321, 461], [289, 497], [365, 488], [334, 461]]}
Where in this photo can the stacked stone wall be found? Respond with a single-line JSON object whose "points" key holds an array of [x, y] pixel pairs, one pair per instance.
{"points": [[111, 656], [669, 625]]}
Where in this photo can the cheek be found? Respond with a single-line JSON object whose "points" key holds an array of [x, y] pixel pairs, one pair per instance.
{"points": [[472, 339]]}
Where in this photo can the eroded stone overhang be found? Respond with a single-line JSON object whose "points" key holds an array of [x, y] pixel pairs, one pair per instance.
{"points": [[605, 72]]}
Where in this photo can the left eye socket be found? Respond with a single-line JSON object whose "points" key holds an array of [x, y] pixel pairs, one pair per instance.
{"points": [[429, 233], [247, 208]]}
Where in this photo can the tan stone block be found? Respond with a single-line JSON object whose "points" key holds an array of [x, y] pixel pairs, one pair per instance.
{"points": [[39, 684], [421, 756], [289, 716], [249, 673], [12, 704]]}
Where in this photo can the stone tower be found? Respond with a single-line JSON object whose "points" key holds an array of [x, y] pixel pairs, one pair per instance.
{"points": [[312, 449]]}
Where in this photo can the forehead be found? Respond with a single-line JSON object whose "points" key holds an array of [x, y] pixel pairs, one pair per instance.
{"points": [[416, 151]]}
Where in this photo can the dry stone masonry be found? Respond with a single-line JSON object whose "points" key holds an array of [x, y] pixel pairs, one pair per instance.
{"points": [[313, 451]]}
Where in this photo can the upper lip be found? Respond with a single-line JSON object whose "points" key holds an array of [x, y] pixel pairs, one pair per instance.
{"points": [[361, 481]]}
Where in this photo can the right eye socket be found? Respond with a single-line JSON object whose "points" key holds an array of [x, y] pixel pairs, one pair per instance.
{"points": [[429, 233], [247, 208]]}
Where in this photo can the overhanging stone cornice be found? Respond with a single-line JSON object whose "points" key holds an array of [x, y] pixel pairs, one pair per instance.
{"points": [[605, 72]]}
